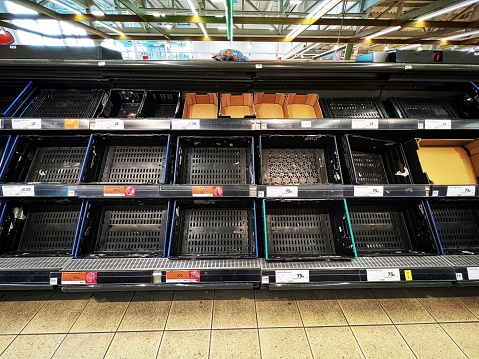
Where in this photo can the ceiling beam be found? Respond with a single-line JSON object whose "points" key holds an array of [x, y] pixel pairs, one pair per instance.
{"points": [[54, 15], [142, 15], [250, 20]]}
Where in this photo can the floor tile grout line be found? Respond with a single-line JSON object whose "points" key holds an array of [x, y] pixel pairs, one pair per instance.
{"points": [[340, 307], [4, 350], [394, 324], [302, 322], [465, 306], [118, 326], [357, 341], [445, 331], [46, 301], [433, 317], [166, 321], [257, 324], [79, 315], [211, 322]]}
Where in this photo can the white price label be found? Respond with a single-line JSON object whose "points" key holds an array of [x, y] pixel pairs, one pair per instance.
{"points": [[108, 124], [18, 191], [265, 279], [53, 281], [461, 191], [459, 276], [420, 126], [264, 126], [473, 273], [26, 123], [292, 276], [362, 123], [437, 124], [368, 191], [305, 124], [383, 275], [260, 194], [282, 191], [435, 193], [259, 66], [185, 124]]}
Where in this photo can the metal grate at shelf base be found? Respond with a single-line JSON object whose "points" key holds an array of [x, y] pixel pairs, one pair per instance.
{"points": [[457, 225], [157, 264], [352, 108], [135, 164], [49, 229], [379, 228], [56, 165], [462, 260], [215, 232], [33, 263], [299, 232], [364, 263], [294, 166], [132, 229], [164, 110], [208, 165], [65, 103], [369, 168]]}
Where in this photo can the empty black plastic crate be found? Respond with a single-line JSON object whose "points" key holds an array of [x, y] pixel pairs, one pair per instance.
{"points": [[213, 229], [39, 228], [420, 108], [136, 159], [214, 160], [59, 103], [124, 228], [457, 225], [373, 161], [391, 227], [298, 230], [353, 107], [124, 103], [46, 159], [299, 160]]}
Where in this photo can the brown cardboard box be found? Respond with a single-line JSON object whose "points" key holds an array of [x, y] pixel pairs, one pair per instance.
{"points": [[236, 106], [201, 106], [449, 162], [303, 106], [270, 105]]}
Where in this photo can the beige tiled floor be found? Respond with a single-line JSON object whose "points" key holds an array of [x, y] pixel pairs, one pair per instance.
{"points": [[378, 323]]}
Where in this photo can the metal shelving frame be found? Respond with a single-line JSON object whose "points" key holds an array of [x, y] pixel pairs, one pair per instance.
{"points": [[326, 79]]}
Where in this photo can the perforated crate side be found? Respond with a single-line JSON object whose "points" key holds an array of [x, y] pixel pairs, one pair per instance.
{"points": [[420, 108], [457, 225], [357, 107]]}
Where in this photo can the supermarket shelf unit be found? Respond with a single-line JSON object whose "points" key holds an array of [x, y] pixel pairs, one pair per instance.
{"points": [[100, 267]]}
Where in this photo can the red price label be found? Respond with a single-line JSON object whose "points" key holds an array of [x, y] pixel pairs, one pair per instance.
{"points": [[119, 191], [207, 191], [182, 276], [79, 278]]}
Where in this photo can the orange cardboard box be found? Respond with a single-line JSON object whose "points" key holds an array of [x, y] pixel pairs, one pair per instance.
{"points": [[270, 105], [303, 106], [236, 106], [201, 106]]}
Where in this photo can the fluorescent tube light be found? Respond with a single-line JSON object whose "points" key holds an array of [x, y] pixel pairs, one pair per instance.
{"points": [[98, 13], [458, 36], [383, 32], [65, 6], [111, 28], [447, 9]]}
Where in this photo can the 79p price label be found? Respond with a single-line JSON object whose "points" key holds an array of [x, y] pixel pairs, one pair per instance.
{"points": [[383, 275], [292, 276]]}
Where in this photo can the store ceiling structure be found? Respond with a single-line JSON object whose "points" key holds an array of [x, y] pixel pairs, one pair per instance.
{"points": [[320, 24]]}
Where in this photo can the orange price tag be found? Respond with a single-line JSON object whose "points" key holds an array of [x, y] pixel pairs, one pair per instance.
{"points": [[119, 191], [181, 276], [71, 124], [79, 278], [207, 191]]}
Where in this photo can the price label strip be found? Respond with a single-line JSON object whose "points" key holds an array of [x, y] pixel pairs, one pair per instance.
{"points": [[207, 191], [292, 276], [18, 191], [368, 191], [281, 191], [71, 123], [183, 276], [108, 124], [364, 124], [26, 123], [461, 191], [79, 278], [119, 191], [437, 124], [473, 273], [185, 124], [383, 275]]}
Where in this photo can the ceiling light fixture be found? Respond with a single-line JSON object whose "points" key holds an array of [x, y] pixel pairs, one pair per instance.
{"points": [[222, 28], [446, 10], [111, 28], [195, 13], [168, 26], [98, 13], [65, 6], [323, 8], [383, 32], [156, 14], [458, 36], [408, 47], [296, 2]]}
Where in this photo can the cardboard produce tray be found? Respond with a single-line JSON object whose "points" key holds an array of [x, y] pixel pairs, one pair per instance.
{"points": [[200, 106]]}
